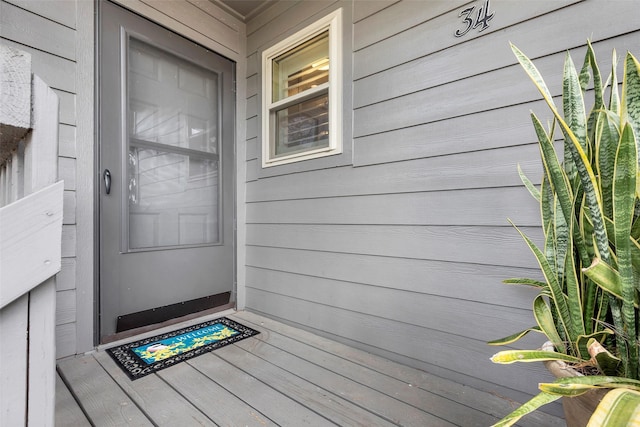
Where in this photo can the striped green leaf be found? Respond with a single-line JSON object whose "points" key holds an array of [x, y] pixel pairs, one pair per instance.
{"points": [[515, 337], [590, 61], [533, 190], [623, 209], [605, 381], [536, 402], [559, 299], [614, 97], [525, 281], [573, 103], [547, 324], [583, 344], [619, 407], [605, 276], [574, 295], [631, 92], [507, 357], [607, 362], [567, 390], [607, 138]]}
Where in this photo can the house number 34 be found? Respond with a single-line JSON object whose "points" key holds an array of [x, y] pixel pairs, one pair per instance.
{"points": [[475, 17]]}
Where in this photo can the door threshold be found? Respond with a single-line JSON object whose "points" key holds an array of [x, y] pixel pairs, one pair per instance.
{"points": [[167, 326]]}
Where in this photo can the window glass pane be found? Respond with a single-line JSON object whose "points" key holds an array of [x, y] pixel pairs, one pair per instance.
{"points": [[173, 199], [173, 147], [171, 101], [304, 67], [303, 126]]}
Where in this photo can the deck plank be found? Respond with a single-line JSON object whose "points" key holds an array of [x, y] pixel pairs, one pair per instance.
{"points": [[281, 409], [222, 407], [283, 376], [467, 397], [162, 404], [103, 401], [416, 397], [385, 406], [68, 413], [332, 406]]}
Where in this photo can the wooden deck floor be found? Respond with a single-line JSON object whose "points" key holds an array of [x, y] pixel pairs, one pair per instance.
{"points": [[283, 376]]}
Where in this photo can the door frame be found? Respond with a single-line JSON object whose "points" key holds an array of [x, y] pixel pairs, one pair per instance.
{"points": [[92, 316]]}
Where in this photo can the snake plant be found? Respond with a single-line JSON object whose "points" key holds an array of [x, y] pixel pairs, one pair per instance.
{"points": [[589, 199]]}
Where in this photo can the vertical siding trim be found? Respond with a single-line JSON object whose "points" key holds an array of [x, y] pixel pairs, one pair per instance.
{"points": [[85, 230]]}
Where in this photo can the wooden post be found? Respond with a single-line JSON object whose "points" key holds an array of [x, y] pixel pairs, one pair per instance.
{"points": [[30, 243], [15, 99]]}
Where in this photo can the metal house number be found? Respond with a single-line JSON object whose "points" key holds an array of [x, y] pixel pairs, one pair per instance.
{"points": [[473, 20]]}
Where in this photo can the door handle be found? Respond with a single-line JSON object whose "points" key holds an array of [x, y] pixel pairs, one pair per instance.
{"points": [[106, 175]]}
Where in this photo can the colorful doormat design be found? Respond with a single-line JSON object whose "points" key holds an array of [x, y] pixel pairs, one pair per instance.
{"points": [[152, 354]]}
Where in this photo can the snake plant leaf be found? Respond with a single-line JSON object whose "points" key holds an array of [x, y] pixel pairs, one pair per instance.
{"points": [[547, 215], [533, 73], [573, 103], [619, 407], [614, 98], [592, 63], [546, 322], [607, 362], [631, 92], [573, 140], [563, 242], [526, 281], [597, 77], [533, 190], [557, 178], [533, 404], [584, 75], [574, 294], [507, 357], [583, 342], [605, 381], [635, 251], [574, 386], [550, 245], [515, 337], [567, 390], [623, 209], [624, 183], [590, 186], [605, 276], [556, 290], [607, 145]]}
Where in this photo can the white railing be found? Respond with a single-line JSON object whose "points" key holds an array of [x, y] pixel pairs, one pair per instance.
{"points": [[30, 242]]}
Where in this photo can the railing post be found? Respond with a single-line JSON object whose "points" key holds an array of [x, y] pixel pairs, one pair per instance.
{"points": [[15, 99], [28, 164]]}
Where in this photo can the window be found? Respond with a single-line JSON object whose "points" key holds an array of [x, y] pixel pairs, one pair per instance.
{"points": [[302, 94]]}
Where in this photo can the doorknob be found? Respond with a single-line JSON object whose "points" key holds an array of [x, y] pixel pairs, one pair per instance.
{"points": [[107, 180]]}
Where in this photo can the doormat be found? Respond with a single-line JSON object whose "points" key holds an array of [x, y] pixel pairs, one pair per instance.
{"points": [[149, 355]]}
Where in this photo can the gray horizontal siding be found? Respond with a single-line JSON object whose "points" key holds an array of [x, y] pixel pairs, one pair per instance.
{"points": [[475, 282], [402, 252], [483, 207], [481, 169], [425, 310], [435, 34], [25, 27]]}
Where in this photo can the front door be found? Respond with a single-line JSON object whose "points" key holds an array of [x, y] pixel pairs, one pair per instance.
{"points": [[166, 173]]}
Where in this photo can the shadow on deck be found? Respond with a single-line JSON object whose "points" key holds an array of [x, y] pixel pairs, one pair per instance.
{"points": [[283, 376]]}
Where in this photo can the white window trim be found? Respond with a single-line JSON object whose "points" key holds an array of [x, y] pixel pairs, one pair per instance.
{"points": [[332, 22]]}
